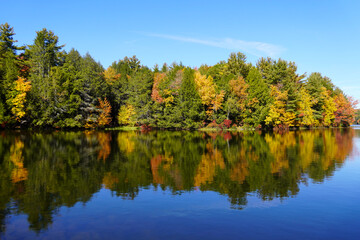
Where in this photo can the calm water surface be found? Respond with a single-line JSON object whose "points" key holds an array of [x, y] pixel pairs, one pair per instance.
{"points": [[180, 185]]}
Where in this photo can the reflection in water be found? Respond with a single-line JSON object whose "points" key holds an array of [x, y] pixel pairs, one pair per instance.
{"points": [[40, 172]]}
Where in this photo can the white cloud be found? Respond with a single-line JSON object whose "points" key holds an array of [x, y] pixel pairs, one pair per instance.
{"points": [[255, 48]]}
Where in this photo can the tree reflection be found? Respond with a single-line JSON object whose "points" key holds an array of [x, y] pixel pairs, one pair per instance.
{"points": [[41, 172]]}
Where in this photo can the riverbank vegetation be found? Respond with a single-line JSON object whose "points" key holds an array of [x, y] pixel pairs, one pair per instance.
{"points": [[41, 85]]}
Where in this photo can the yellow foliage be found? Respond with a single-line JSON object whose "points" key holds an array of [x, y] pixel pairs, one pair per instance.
{"points": [[110, 75], [125, 142], [209, 162], [22, 86], [109, 180], [277, 114], [306, 112], [307, 153], [104, 140], [219, 98], [329, 107], [163, 161], [104, 117], [239, 172], [19, 173], [278, 145], [168, 97], [206, 89], [125, 115], [239, 89]]}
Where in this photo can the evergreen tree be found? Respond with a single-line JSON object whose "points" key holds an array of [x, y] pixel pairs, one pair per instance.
{"points": [[259, 98], [192, 110], [44, 54], [10, 64]]}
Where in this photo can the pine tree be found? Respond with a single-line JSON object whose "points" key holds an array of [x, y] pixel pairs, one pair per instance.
{"points": [[191, 109], [259, 98], [44, 54]]}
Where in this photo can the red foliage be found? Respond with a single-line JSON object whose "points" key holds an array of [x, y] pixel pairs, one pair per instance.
{"points": [[145, 128], [227, 123], [345, 113], [227, 136]]}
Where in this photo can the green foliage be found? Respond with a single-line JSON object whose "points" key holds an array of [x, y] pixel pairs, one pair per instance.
{"points": [[189, 101], [259, 98]]}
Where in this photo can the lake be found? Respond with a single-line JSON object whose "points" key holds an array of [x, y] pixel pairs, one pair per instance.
{"points": [[180, 185]]}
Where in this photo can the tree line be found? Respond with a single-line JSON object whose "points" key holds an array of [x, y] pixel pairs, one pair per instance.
{"points": [[42, 85]]}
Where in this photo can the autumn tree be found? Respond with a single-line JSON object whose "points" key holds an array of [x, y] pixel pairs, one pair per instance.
{"points": [[18, 99], [105, 111], [236, 102], [126, 114], [207, 91], [329, 107], [158, 79], [278, 114], [345, 110], [111, 76], [306, 113]]}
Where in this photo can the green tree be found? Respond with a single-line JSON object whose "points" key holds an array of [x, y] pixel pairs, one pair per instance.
{"points": [[259, 98], [44, 54], [192, 110], [10, 66]]}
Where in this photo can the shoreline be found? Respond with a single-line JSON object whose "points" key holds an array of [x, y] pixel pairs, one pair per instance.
{"points": [[204, 129]]}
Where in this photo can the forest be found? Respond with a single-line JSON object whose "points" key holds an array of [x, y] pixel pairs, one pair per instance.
{"points": [[44, 86]]}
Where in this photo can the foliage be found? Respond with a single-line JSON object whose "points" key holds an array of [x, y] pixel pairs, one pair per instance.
{"points": [[209, 98], [126, 114], [278, 114], [22, 86], [329, 107], [105, 111], [69, 90], [345, 110], [306, 113]]}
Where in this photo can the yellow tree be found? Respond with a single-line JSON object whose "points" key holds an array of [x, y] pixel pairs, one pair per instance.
{"points": [[207, 91], [18, 97], [306, 113], [329, 107], [125, 115], [278, 114], [111, 76], [238, 89]]}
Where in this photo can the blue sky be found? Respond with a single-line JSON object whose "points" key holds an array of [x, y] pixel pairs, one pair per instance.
{"points": [[319, 36]]}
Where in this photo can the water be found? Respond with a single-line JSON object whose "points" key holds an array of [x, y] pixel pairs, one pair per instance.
{"points": [[180, 185]]}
